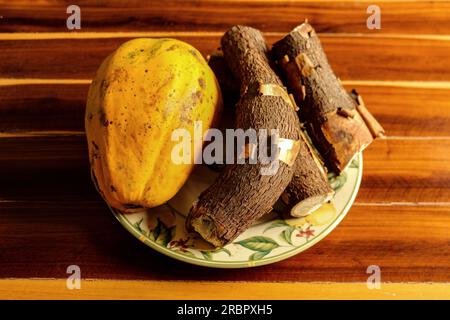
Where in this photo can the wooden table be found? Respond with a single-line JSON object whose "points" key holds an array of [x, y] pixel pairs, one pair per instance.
{"points": [[51, 216]]}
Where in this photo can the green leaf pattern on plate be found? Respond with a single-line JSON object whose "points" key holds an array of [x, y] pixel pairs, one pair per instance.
{"points": [[354, 164], [223, 250], [258, 255], [276, 224], [207, 255], [337, 182], [161, 234], [262, 245], [286, 234], [137, 225], [259, 243]]}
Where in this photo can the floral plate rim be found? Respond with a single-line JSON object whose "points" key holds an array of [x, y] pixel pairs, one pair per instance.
{"points": [[246, 264]]}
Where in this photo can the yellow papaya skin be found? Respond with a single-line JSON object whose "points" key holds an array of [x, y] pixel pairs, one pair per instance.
{"points": [[142, 92]]}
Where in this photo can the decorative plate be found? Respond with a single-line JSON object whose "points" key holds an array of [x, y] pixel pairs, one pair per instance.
{"points": [[271, 239]]}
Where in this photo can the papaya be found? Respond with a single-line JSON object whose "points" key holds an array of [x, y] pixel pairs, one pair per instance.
{"points": [[142, 92]]}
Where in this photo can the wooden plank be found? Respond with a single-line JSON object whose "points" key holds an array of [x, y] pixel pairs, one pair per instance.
{"points": [[378, 58], [47, 168], [161, 290], [45, 108], [409, 244], [425, 17], [394, 170], [406, 171], [42, 107], [407, 111]]}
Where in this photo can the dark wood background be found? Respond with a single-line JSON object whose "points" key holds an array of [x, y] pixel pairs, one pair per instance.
{"points": [[51, 216]]}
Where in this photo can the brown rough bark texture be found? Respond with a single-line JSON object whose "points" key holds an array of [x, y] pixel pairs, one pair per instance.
{"points": [[241, 194], [330, 115], [309, 186], [229, 85]]}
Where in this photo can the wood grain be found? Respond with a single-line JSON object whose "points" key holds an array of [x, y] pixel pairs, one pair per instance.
{"points": [[42, 107], [56, 168], [174, 290], [41, 239], [47, 108], [410, 112], [326, 16], [379, 58], [402, 170], [52, 217]]}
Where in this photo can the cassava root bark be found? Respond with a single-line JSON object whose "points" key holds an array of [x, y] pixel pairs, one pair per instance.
{"points": [[338, 127], [309, 186], [241, 194], [229, 86]]}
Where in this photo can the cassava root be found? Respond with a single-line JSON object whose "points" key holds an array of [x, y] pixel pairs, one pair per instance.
{"points": [[309, 186], [241, 194], [338, 126]]}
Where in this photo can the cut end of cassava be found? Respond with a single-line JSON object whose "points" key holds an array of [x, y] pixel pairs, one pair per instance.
{"points": [[309, 187], [204, 226], [342, 137], [347, 132], [305, 207], [202, 223]]}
